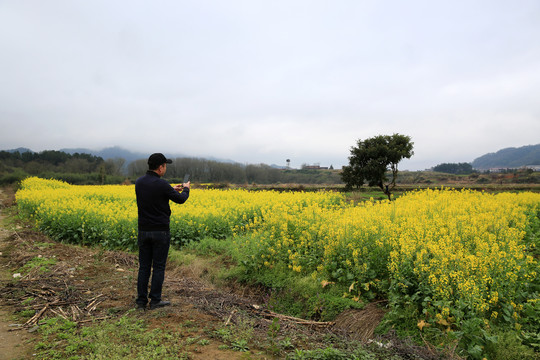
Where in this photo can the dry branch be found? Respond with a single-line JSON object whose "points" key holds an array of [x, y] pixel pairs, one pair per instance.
{"points": [[270, 314], [34, 319], [58, 313], [230, 316], [94, 302]]}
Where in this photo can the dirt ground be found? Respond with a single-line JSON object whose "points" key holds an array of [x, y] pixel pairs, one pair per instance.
{"points": [[89, 284], [13, 344]]}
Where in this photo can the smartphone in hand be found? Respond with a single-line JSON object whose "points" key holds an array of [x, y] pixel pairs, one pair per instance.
{"points": [[187, 177]]}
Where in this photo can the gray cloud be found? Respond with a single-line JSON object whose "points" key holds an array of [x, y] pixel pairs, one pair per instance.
{"points": [[258, 81]]}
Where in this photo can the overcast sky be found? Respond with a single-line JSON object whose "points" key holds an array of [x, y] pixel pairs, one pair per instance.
{"points": [[265, 81]]}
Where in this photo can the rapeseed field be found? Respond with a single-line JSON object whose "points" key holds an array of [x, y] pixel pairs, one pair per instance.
{"points": [[458, 265]]}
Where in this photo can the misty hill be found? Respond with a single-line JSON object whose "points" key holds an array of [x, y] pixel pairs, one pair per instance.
{"points": [[119, 152], [129, 156], [109, 153], [509, 158], [19, 150]]}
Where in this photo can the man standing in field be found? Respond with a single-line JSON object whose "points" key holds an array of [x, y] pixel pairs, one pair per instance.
{"points": [[153, 195]]}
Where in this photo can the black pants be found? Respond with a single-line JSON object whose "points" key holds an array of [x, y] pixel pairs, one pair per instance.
{"points": [[153, 251]]}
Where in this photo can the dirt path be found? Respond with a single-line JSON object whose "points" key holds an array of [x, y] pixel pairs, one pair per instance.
{"points": [[13, 344]]}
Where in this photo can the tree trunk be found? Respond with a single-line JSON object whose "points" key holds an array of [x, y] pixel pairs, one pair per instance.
{"points": [[386, 190]]}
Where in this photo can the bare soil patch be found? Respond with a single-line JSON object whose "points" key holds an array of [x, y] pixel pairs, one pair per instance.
{"points": [[13, 345]]}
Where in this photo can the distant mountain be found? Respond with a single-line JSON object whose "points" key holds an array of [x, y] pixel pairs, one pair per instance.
{"points": [[110, 153], [129, 156], [509, 158], [20, 150], [119, 152]]}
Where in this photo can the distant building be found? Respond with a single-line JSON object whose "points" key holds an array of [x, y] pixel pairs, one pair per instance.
{"points": [[497, 170], [531, 167], [314, 167], [524, 167]]}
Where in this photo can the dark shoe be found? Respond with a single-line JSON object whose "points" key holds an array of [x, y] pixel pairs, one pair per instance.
{"points": [[141, 307], [159, 304]]}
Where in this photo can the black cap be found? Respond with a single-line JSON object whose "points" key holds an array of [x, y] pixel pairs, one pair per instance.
{"points": [[157, 159]]}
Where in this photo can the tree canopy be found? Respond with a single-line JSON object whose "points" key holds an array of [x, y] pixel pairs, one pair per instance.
{"points": [[373, 158], [453, 168]]}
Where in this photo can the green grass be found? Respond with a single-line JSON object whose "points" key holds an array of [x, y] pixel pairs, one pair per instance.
{"points": [[122, 338], [299, 296], [43, 264]]}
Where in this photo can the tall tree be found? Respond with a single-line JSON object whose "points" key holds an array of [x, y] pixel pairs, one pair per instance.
{"points": [[373, 158]]}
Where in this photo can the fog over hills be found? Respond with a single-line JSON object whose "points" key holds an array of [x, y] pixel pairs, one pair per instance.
{"points": [[128, 155], [110, 153], [504, 158]]}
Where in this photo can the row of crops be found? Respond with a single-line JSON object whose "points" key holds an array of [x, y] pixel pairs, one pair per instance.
{"points": [[458, 263]]}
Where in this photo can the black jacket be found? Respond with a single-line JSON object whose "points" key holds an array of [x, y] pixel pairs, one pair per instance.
{"points": [[153, 195]]}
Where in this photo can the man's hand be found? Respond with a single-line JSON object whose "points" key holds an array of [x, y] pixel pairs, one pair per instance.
{"points": [[179, 187]]}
